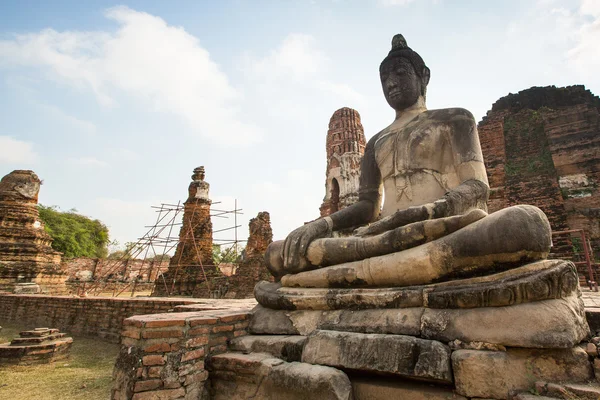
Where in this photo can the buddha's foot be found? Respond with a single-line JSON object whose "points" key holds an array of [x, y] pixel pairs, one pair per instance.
{"points": [[503, 240]]}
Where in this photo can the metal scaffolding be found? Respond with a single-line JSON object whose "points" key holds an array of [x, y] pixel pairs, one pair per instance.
{"points": [[159, 242]]}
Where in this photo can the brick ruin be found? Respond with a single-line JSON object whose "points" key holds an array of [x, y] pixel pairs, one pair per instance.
{"points": [[37, 346], [83, 269], [252, 268], [345, 147], [192, 265], [542, 146], [25, 252]]}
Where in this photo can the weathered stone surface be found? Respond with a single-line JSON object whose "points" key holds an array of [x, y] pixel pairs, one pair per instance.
{"points": [[558, 323], [345, 147], [569, 391], [541, 280], [495, 374], [405, 321], [391, 389], [235, 376], [480, 248], [25, 252], [288, 348], [274, 296], [405, 356]]}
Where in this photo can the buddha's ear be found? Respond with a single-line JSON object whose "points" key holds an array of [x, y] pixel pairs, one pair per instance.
{"points": [[425, 75]]}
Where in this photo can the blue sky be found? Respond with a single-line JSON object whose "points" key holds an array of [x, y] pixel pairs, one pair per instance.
{"points": [[114, 104]]}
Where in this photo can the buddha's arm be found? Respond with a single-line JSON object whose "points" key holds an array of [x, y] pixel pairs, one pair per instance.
{"points": [[359, 213]]}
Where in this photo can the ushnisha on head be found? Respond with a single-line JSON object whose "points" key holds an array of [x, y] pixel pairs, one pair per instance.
{"points": [[404, 75]]}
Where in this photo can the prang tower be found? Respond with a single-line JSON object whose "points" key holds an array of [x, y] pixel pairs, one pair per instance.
{"points": [[345, 148]]}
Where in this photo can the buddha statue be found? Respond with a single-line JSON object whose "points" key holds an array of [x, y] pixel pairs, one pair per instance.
{"points": [[430, 266], [433, 225]]}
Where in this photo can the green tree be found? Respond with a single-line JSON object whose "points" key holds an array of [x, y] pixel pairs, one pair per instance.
{"points": [[228, 254], [75, 235]]}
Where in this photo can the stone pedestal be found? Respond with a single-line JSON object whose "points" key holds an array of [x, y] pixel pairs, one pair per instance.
{"points": [[25, 252], [485, 337], [39, 346]]}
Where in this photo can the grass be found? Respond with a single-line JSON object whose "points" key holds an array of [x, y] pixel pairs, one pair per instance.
{"points": [[87, 374]]}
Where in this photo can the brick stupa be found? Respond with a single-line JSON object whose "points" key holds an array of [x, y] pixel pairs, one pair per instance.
{"points": [[26, 258], [192, 265]]}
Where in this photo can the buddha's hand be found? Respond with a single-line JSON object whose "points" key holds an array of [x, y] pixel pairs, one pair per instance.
{"points": [[296, 244], [404, 217]]}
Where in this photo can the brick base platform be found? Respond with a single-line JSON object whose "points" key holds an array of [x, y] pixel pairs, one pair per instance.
{"points": [[39, 346]]}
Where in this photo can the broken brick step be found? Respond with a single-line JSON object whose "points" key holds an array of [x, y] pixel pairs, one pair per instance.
{"points": [[37, 332], [36, 340]]}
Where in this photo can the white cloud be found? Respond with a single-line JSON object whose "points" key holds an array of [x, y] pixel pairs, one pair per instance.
{"points": [[584, 56], [396, 2], [87, 162], [297, 57], [124, 154], [401, 3], [78, 125], [160, 65], [297, 66], [16, 151]]}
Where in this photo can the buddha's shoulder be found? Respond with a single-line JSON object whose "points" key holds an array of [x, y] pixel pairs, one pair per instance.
{"points": [[449, 115]]}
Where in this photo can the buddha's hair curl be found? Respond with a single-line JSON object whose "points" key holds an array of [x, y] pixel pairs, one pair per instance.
{"points": [[401, 50]]}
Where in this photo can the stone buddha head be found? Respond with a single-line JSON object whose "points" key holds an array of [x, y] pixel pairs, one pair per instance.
{"points": [[404, 75]]}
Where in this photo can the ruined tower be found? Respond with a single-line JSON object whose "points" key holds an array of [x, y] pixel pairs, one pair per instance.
{"points": [[253, 268], [345, 147], [541, 146], [25, 252], [193, 257]]}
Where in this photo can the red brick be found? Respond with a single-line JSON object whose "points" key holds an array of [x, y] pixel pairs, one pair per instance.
{"points": [[232, 318], [222, 328], [153, 360], [203, 321], [159, 323], [240, 333], [162, 334], [158, 348], [197, 341], [154, 372], [143, 386], [198, 331], [192, 355], [131, 333]]}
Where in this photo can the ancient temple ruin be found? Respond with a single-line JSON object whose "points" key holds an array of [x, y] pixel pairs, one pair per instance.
{"points": [[252, 268], [25, 252], [541, 146], [345, 147], [191, 267]]}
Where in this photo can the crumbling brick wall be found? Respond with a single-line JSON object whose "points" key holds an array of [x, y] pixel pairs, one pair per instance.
{"points": [[541, 146], [94, 316]]}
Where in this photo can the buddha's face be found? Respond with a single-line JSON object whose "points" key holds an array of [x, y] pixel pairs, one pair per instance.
{"points": [[401, 84]]}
